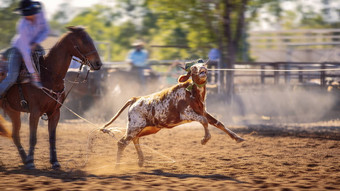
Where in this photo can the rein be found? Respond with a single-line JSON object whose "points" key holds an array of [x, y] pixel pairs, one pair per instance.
{"points": [[83, 61], [57, 94], [50, 92], [87, 62], [79, 71], [77, 82]]}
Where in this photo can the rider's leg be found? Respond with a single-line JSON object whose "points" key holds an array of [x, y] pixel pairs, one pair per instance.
{"points": [[35, 77], [14, 62]]}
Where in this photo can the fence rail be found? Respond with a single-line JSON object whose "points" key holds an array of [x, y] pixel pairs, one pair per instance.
{"points": [[260, 73]]}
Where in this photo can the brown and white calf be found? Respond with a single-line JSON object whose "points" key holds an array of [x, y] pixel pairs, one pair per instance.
{"points": [[179, 104]]}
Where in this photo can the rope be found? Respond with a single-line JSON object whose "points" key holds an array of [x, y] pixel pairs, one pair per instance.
{"points": [[274, 70], [109, 131]]}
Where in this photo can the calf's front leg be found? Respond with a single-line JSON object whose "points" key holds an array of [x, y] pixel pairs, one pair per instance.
{"points": [[189, 114], [218, 124]]}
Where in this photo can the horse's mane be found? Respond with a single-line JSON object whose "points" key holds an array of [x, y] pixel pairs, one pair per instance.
{"points": [[57, 44], [72, 30]]}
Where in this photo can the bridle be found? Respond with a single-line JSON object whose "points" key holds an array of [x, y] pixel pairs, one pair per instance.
{"points": [[84, 60]]}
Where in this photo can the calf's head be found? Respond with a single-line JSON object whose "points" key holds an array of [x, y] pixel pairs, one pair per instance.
{"points": [[197, 71]]}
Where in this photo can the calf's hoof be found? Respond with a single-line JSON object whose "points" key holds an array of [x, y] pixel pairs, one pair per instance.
{"points": [[239, 139], [205, 140], [103, 130], [56, 166]]}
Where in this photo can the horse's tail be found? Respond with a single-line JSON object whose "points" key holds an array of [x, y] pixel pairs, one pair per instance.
{"points": [[3, 130], [127, 104]]}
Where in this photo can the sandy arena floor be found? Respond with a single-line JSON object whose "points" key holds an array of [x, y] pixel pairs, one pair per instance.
{"points": [[277, 159]]}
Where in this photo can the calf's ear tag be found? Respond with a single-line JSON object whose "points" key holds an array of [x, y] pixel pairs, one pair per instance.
{"points": [[200, 61], [189, 88]]}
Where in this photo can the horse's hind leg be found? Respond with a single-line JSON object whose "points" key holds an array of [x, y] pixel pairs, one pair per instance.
{"points": [[16, 125], [52, 126], [34, 119]]}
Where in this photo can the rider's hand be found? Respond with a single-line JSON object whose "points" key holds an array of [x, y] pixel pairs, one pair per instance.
{"points": [[34, 46]]}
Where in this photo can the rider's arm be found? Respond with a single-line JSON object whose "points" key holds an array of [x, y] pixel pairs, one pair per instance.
{"points": [[23, 44], [44, 29]]}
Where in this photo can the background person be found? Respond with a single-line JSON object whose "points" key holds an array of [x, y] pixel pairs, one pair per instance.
{"points": [[213, 62], [32, 29], [137, 58], [174, 71]]}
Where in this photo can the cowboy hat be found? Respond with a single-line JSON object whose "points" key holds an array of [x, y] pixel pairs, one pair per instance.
{"points": [[28, 7], [138, 43]]}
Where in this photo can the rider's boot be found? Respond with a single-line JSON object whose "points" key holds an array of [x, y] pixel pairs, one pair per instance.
{"points": [[36, 80]]}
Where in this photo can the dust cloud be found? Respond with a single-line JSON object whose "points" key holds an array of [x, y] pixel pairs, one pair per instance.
{"points": [[291, 104], [258, 104], [118, 90]]}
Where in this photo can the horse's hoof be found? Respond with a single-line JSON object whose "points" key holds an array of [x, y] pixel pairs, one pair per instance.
{"points": [[56, 166], [30, 166]]}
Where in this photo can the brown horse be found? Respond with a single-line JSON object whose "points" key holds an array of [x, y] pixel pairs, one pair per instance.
{"points": [[53, 70]]}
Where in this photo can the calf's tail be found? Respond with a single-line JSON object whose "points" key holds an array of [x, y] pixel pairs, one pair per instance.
{"points": [[127, 104], [3, 130]]}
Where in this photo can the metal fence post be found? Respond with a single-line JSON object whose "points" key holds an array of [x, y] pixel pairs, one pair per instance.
{"points": [[262, 74]]}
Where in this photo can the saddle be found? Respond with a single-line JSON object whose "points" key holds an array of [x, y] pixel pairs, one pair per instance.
{"points": [[24, 75]]}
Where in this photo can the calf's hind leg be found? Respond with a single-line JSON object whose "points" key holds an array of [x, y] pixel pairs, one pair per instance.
{"points": [[139, 152], [122, 143], [145, 131]]}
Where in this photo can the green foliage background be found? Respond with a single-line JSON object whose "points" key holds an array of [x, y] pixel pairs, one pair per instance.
{"points": [[188, 28], [8, 21]]}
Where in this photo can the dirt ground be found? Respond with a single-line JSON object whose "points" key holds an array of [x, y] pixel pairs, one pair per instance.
{"points": [[285, 157]]}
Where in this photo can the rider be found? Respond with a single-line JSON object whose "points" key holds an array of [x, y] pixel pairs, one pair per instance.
{"points": [[137, 58], [32, 29]]}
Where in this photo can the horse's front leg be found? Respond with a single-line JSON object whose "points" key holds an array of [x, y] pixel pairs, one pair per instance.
{"points": [[52, 126], [34, 119]]}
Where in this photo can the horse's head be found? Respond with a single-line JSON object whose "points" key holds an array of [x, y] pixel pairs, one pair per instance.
{"points": [[83, 47]]}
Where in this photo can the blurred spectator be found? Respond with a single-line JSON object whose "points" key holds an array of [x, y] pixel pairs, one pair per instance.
{"points": [[213, 62], [137, 58], [174, 71], [214, 55]]}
